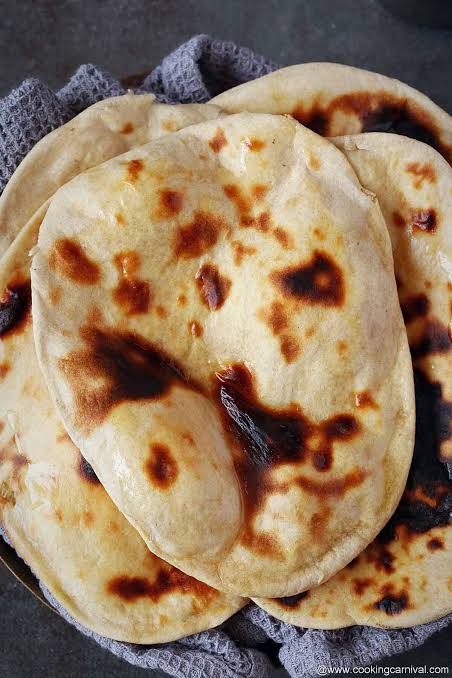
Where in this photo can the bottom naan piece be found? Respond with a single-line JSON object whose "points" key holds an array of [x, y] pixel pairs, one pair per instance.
{"points": [[405, 576], [58, 516]]}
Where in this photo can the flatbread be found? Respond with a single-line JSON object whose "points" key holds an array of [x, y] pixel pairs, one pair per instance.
{"points": [[58, 516], [101, 132], [212, 350], [414, 188], [404, 577], [333, 100]]}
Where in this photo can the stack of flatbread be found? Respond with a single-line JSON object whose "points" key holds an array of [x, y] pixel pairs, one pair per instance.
{"points": [[224, 329]]}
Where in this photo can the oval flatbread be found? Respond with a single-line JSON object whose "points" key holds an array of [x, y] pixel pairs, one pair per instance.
{"points": [[202, 318], [404, 577], [58, 516], [333, 99]]}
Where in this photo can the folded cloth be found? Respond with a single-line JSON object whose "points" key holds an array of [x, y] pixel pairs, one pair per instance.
{"points": [[196, 71]]}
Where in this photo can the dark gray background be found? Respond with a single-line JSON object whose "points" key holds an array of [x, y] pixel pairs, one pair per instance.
{"points": [[49, 40]]}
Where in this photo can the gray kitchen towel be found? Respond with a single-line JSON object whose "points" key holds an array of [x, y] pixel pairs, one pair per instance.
{"points": [[196, 71]]}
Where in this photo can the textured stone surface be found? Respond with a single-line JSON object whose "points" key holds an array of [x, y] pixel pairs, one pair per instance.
{"points": [[50, 40]]}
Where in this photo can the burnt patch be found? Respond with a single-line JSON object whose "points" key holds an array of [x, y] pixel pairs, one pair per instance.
{"points": [[115, 367], [278, 320], [171, 203], [353, 563], [315, 118], [424, 220], [161, 467], [18, 462], [254, 144], [238, 197], [127, 128], [318, 281], [261, 542], [218, 141], [120, 218], [361, 584], [444, 422], [284, 238], [261, 222], [87, 472], [259, 191], [341, 347], [15, 307], [69, 260], [134, 169], [318, 524], [314, 162], [435, 544], [131, 589], [132, 295], [213, 287], [161, 311], [332, 488], [379, 111], [127, 263], [292, 601], [266, 437], [271, 436], [4, 369], [398, 220], [198, 236], [241, 251], [421, 172], [244, 205], [195, 329], [415, 306], [434, 340], [427, 500], [364, 399], [87, 518], [391, 603], [188, 438], [290, 348], [381, 558]]}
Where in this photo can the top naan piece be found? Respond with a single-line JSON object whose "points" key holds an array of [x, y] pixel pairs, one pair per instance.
{"points": [[103, 131], [333, 99], [202, 318]]}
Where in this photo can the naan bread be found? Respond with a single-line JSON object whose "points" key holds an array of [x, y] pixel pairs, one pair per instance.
{"points": [[57, 514], [202, 318], [101, 132], [413, 185], [405, 576], [333, 99]]}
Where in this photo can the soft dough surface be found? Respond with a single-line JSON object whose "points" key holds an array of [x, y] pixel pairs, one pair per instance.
{"points": [[202, 318], [404, 577]]}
